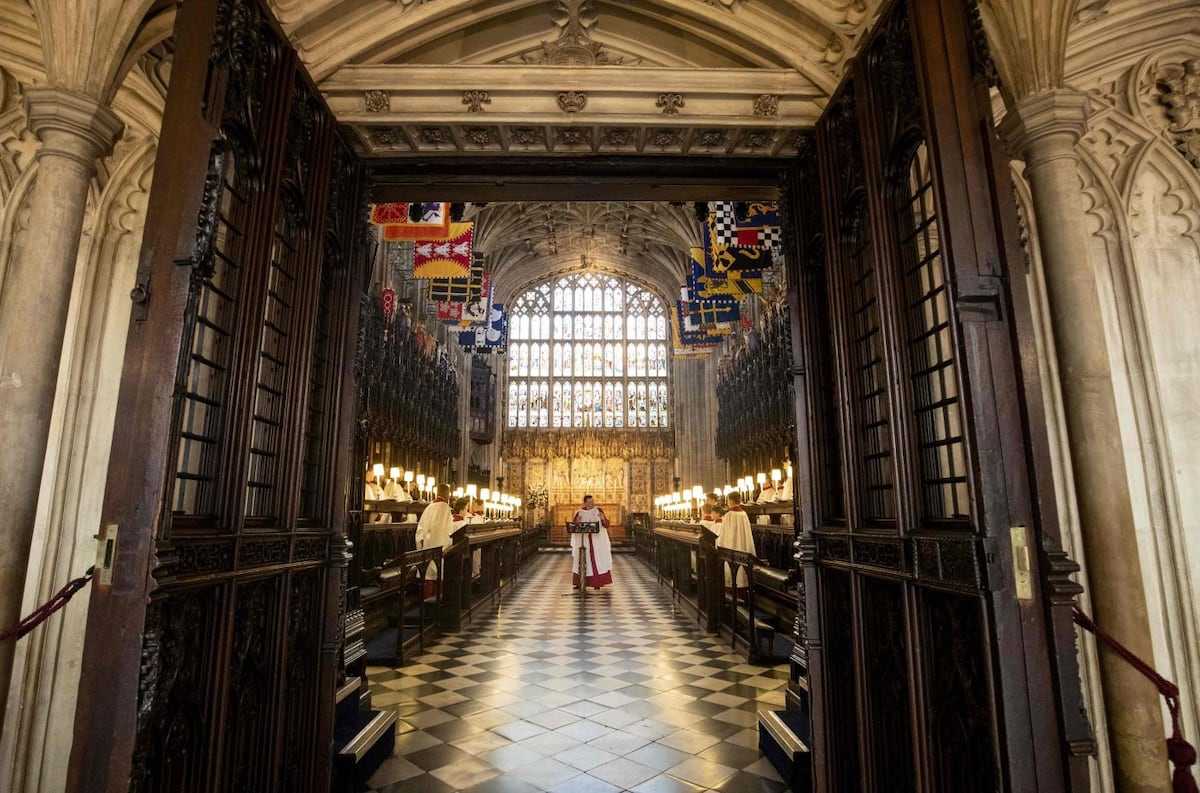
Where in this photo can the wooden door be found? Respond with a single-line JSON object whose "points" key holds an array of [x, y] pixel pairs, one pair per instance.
{"points": [[932, 664], [210, 658]]}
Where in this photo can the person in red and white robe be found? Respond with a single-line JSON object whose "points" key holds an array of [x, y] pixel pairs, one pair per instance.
{"points": [[599, 572], [736, 535], [434, 530]]}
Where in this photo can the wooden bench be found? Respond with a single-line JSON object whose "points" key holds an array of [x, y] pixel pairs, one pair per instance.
{"points": [[389, 586], [740, 601]]}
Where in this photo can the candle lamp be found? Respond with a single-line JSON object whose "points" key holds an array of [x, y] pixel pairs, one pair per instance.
{"points": [[430, 483], [377, 469], [472, 491]]}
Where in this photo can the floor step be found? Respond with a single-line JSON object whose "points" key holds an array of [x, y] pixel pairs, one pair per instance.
{"points": [[345, 705], [363, 744], [782, 738]]}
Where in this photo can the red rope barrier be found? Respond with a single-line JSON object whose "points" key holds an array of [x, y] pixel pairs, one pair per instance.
{"points": [[1181, 753], [43, 612]]}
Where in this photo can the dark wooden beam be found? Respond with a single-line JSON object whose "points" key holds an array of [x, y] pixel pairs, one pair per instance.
{"points": [[598, 178]]}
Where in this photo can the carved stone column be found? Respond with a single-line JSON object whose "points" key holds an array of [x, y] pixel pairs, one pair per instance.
{"points": [[75, 132], [1044, 130]]}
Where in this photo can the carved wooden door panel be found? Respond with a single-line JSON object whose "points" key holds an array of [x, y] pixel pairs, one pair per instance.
{"points": [[932, 662], [210, 657]]}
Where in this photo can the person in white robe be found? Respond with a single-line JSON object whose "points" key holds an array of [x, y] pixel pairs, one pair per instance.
{"points": [[736, 535], [708, 515], [599, 553], [372, 491], [785, 490], [433, 531], [477, 515]]}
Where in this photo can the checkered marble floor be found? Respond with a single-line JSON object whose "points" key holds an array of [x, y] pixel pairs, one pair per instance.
{"points": [[616, 691]]}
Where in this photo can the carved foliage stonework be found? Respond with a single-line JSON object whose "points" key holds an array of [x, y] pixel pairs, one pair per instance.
{"points": [[377, 101], [529, 136], [389, 136], [766, 105], [1179, 87]]}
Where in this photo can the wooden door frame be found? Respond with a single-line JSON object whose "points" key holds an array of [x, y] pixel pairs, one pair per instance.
{"points": [[142, 467], [141, 474]]}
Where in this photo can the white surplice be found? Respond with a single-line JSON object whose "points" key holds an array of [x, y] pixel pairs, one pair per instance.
{"points": [[434, 530], [736, 535], [599, 570]]}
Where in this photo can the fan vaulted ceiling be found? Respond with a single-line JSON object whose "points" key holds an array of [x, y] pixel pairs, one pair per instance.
{"points": [[695, 77], [527, 242]]}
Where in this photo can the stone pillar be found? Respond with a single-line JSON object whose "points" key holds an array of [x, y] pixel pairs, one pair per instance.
{"points": [[75, 132], [1044, 130]]}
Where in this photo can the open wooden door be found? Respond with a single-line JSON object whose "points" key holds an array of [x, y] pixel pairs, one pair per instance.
{"points": [[939, 647], [213, 638]]}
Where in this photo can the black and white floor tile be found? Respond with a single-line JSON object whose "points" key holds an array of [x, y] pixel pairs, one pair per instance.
{"points": [[617, 691]]}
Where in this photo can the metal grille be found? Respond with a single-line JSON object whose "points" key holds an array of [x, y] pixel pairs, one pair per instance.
{"points": [[933, 376], [870, 378], [831, 433], [266, 431], [311, 502], [205, 383]]}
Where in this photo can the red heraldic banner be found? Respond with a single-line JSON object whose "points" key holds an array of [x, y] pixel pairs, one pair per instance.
{"points": [[432, 220], [449, 258]]}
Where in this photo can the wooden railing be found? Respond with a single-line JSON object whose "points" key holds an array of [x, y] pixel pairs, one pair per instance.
{"points": [[687, 560], [483, 559]]}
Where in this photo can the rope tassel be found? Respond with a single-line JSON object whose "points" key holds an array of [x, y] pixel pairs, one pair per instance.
{"points": [[1181, 753], [43, 612]]}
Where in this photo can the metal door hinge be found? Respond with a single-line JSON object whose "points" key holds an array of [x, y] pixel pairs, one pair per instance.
{"points": [[106, 555], [1022, 565]]}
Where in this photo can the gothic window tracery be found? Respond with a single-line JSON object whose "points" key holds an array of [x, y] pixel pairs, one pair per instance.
{"points": [[604, 366]]}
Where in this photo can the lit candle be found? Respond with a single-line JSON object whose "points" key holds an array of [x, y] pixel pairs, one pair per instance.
{"points": [[485, 494], [472, 491], [776, 476], [408, 477], [377, 469], [430, 482]]}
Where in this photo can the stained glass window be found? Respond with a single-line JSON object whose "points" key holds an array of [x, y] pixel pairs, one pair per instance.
{"points": [[588, 350]]}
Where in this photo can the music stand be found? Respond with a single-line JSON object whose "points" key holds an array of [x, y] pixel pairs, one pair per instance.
{"points": [[583, 527]]}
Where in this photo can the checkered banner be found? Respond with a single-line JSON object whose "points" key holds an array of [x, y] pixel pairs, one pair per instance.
{"points": [[745, 224]]}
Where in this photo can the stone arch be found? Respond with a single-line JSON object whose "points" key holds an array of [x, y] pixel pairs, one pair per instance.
{"points": [[1163, 277]]}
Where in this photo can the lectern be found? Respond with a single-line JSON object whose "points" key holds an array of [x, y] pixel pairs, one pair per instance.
{"points": [[583, 527]]}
